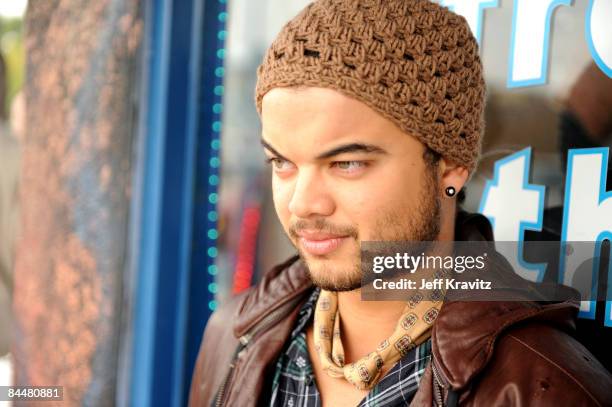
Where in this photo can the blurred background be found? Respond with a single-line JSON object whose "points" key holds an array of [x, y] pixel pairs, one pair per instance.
{"points": [[134, 197], [12, 63]]}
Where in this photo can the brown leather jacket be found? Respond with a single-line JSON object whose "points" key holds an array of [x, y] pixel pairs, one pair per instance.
{"points": [[484, 353]]}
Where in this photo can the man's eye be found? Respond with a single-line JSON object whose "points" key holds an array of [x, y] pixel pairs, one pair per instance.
{"points": [[350, 165], [279, 164]]}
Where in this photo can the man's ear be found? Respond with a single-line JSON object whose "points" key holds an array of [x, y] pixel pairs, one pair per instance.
{"points": [[452, 175]]}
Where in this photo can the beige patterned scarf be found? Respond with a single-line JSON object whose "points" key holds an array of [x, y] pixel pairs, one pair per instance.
{"points": [[413, 328]]}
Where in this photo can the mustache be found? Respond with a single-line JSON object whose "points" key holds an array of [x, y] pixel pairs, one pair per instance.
{"points": [[322, 226]]}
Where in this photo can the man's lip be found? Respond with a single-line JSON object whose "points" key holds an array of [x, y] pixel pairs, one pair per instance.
{"points": [[320, 246], [316, 236]]}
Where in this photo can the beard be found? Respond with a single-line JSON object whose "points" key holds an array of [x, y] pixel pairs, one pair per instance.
{"points": [[421, 223]]}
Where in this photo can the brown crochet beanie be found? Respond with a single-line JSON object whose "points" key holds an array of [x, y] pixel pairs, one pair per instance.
{"points": [[413, 61]]}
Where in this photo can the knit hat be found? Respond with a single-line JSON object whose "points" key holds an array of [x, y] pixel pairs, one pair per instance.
{"points": [[413, 61]]}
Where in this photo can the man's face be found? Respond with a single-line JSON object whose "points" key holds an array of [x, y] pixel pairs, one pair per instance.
{"points": [[342, 174]]}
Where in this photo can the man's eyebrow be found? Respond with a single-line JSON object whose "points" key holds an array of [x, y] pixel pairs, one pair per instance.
{"points": [[352, 148], [268, 147], [343, 149]]}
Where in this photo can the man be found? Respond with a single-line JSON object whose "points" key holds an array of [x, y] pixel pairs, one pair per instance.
{"points": [[372, 120]]}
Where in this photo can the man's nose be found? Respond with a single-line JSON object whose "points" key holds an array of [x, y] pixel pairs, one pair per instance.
{"points": [[310, 196]]}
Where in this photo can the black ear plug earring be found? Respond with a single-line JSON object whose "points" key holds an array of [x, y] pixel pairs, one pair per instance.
{"points": [[450, 192]]}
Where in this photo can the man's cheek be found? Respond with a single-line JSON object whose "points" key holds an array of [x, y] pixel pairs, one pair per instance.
{"points": [[281, 195], [359, 212], [360, 199]]}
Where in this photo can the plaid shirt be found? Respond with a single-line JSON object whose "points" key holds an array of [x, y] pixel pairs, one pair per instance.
{"points": [[294, 382]]}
